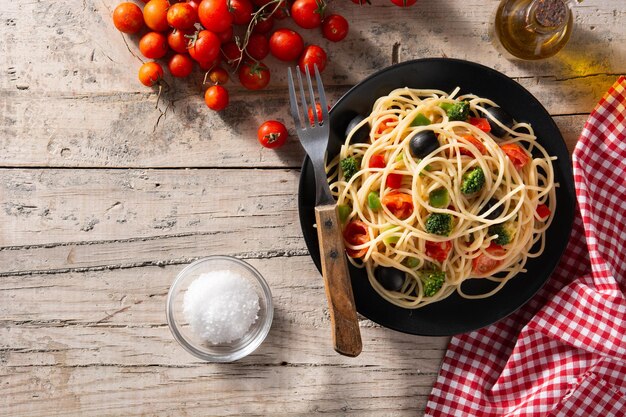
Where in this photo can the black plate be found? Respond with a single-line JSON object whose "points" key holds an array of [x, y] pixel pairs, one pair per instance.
{"points": [[455, 314]]}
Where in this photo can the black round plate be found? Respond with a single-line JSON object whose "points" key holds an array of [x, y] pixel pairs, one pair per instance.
{"points": [[455, 314]]}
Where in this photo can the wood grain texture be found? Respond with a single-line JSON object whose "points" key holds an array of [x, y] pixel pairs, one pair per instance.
{"points": [[87, 255]]}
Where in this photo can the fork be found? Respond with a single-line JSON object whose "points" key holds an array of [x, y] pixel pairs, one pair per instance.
{"points": [[314, 139]]}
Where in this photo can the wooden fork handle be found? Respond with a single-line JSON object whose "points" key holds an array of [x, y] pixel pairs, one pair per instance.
{"points": [[345, 325]]}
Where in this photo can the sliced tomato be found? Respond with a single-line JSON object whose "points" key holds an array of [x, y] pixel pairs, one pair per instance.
{"points": [[477, 143], [400, 204], [438, 250], [377, 161], [543, 211], [355, 234], [484, 263], [394, 180], [516, 154], [384, 125], [481, 123]]}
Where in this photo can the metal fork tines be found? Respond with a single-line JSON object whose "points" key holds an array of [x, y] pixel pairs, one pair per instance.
{"points": [[313, 136]]}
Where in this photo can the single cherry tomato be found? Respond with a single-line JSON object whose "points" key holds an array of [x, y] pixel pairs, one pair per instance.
{"points": [[178, 40], [194, 4], [241, 11], [209, 65], [481, 123], [153, 45], [258, 46], [377, 161], [205, 46], [231, 53], [394, 180], [484, 264], [399, 204], [128, 18], [308, 13], [286, 44], [150, 73], [263, 25], [543, 211], [438, 250], [155, 15], [312, 55], [516, 154], [214, 15], [216, 97], [335, 27], [181, 16], [354, 234], [477, 143], [226, 36], [180, 65], [218, 75], [272, 134], [281, 10], [404, 3], [254, 75], [318, 112]]}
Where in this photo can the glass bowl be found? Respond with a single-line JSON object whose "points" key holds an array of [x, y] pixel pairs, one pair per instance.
{"points": [[223, 352]]}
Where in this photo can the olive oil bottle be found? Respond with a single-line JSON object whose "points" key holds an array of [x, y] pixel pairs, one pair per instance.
{"points": [[533, 29]]}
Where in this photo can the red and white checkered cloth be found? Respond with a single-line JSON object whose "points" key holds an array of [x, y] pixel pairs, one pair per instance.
{"points": [[564, 352]]}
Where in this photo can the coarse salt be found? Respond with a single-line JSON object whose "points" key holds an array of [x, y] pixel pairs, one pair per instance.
{"points": [[220, 306]]}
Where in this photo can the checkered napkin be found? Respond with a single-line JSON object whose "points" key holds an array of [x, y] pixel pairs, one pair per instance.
{"points": [[564, 352]]}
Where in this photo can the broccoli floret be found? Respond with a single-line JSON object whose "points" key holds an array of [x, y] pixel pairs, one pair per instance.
{"points": [[505, 232], [459, 111], [473, 181], [439, 224], [432, 281], [349, 167]]}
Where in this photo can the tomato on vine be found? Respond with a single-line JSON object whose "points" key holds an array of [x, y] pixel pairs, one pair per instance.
{"points": [[231, 53], [308, 14], [153, 45], [218, 75], [335, 27], [258, 46], [254, 75], [216, 97], [286, 44], [272, 134], [241, 11], [128, 18], [150, 73], [155, 15], [263, 24]]}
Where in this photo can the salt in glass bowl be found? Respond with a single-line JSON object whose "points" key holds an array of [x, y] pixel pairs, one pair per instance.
{"points": [[223, 352]]}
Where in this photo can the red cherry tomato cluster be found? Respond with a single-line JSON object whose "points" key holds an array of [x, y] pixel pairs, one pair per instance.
{"points": [[239, 33]]}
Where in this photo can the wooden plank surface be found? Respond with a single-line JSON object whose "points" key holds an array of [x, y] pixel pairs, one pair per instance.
{"points": [[99, 211]]}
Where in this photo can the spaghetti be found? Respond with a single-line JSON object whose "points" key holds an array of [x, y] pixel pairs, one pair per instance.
{"points": [[432, 197]]}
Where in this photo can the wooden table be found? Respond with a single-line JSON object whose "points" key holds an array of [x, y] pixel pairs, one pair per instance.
{"points": [[104, 198]]}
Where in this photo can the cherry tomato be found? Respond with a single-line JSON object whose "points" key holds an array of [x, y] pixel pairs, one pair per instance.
{"points": [[258, 46], [178, 40], [128, 18], [263, 25], [155, 15], [231, 53], [180, 65], [516, 154], [312, 55], [404, 3], [335, 27], [318, 111], [181, 16], [484, 264], [218, 75], [205, 46], [377, 161], [254, 75], [241, 11], [438, 250], [226, 36], [481, 123], [272, 134], [214, 15], [216, 97], [150, 73], [281, 10], [194, 4], [308, 13], [543, 211], [356, 234], [286, 45], [477, 143], [399, 204], [153, 45], [394, 180]]}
